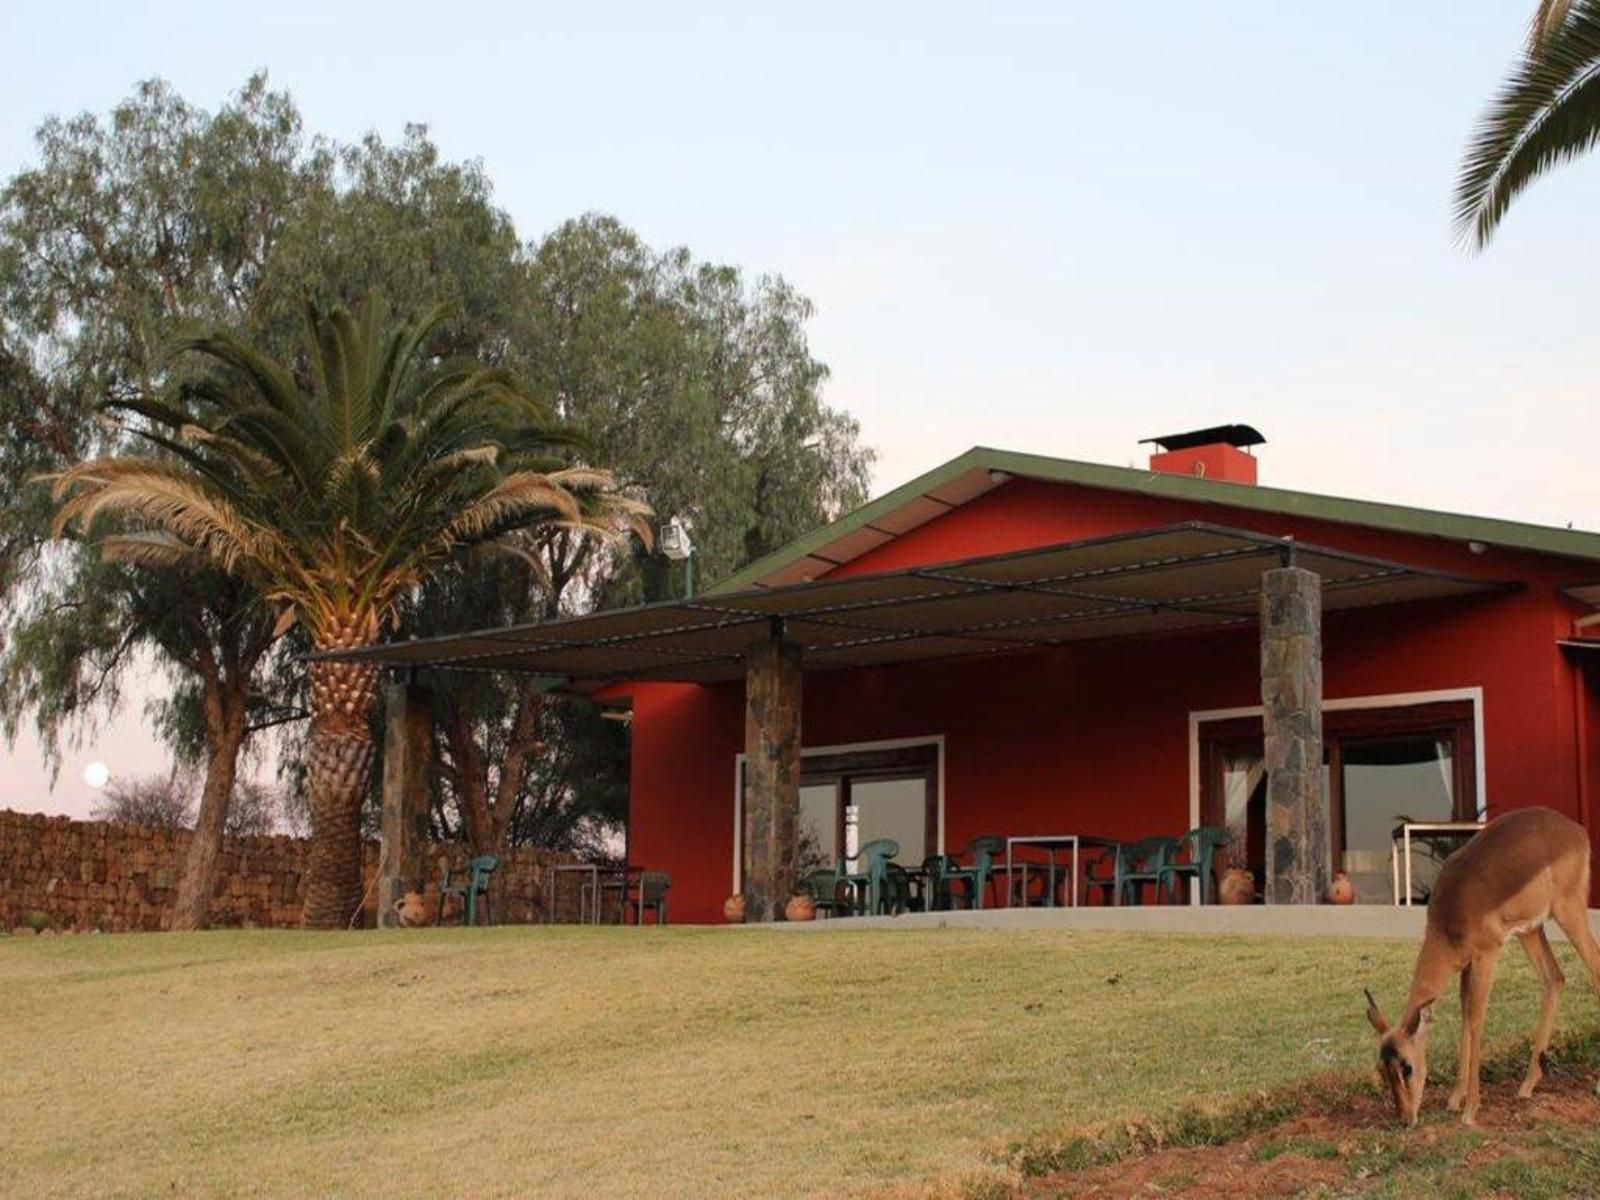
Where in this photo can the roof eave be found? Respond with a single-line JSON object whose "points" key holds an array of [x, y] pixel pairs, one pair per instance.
{"points": [[1395, 518]]}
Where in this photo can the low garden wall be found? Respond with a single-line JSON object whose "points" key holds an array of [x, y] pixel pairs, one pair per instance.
{"points": [[87, 875]]}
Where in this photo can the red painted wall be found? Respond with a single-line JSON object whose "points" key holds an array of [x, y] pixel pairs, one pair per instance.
{"points": [[1094, 737]]}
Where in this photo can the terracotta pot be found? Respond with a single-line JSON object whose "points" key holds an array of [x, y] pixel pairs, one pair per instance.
{"points": [[733, 909], [800, 908], [1238, 886], [413, 910], [1341, 890]]}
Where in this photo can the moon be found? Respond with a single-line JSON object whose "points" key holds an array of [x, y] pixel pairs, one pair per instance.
{"points": [[97, 775]]}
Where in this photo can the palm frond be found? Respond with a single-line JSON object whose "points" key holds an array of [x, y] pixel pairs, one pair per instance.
{"points": [[161, 495], [1548, 18], [1546, 113], [335, 501], [148, 549], [581, 479]]}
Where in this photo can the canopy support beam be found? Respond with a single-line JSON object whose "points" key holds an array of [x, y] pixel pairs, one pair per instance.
{"points": [[1291, 698], [407, 764], [772, 739]]}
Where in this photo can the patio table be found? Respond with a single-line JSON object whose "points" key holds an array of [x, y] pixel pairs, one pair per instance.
{"points": [[556, 871], [1052, 844], [1400, 847], [917, 898], [587, 891]]}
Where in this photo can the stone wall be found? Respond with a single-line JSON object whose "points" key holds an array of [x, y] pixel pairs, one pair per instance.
{"points": [[94, 875]]}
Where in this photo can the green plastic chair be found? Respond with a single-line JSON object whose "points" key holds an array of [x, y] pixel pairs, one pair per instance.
{"points": [[1144, 862], [1197, 851], [476, 884], [823, 888], [652, 895], [877, 854], [899, 896], [1111, 861], [976, 877], [936, 885]]}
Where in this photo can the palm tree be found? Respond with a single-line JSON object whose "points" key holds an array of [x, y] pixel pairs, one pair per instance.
{"points": [[336, 492], [1547, 113]]}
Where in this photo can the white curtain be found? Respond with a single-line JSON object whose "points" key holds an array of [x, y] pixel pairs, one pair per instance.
{"points": [[1241, 775], [1446, 760]]}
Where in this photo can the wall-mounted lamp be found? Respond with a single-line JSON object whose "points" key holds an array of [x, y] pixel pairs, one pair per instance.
{"points": [[677, 546]]}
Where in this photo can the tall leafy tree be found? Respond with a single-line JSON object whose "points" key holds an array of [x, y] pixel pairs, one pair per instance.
{"points": [[1546, 113], [699, 390], [137, 227], [127, 229], [335, 495], [131, 230]]}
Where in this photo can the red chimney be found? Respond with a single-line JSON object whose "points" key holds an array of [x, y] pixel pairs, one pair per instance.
{"points": [[1220, 453]]}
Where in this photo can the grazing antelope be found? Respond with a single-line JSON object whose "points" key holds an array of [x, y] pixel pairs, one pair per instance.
{"points": [[1525, 868]]}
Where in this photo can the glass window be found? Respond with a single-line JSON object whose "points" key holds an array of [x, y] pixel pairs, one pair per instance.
{"points": [[819, 827], [893, 808]]}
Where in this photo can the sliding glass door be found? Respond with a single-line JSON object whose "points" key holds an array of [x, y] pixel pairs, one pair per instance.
{"points": [[1381, 766], [895, 793]]}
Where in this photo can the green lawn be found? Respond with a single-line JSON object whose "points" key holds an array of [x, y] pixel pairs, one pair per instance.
{"points": [[568, 1061]]}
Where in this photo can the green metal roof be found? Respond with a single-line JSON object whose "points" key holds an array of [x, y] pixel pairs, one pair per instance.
{"points": [[876, 522]]}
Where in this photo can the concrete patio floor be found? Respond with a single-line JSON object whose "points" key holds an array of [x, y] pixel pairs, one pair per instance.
{"points": [[1355, 921]]}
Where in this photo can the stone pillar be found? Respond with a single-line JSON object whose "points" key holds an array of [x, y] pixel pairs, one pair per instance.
{"points": [[772, 774], [1291, 698], [407, 762]]}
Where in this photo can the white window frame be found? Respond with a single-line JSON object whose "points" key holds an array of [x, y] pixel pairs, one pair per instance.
{"points": [[935, 740]]}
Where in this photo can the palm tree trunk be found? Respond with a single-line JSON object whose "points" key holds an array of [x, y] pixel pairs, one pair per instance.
{"points": [[342, 752], [198, 880], [341, 762]]}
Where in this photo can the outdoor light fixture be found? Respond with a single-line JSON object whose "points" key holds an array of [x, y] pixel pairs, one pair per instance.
{"points": [[676, 545]]}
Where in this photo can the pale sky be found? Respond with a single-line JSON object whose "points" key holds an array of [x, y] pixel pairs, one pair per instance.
{"points": [[1057, 227]]}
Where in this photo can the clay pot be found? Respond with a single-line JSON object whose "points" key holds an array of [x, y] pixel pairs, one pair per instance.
{"points": [[800, 908], [1341, 890], [733, 909], [413, 910], [1238, 886]]}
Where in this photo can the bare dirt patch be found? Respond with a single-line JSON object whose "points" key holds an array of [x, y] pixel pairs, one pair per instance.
{"points": [[1347, 1144]]}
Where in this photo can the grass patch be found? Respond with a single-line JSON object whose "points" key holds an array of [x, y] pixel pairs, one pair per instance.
{"points": [[537, 1061], [1187, 1127], [1305, 1147]]}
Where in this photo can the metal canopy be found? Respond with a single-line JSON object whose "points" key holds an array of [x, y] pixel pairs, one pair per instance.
{"points": [[1192, 576]]}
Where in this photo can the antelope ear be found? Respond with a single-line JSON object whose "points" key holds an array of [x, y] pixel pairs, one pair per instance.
{"points": [[1418, 1023], [1373, 1015]]}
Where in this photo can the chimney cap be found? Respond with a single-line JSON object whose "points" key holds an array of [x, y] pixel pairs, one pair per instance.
{"points": [[1231, 435]]}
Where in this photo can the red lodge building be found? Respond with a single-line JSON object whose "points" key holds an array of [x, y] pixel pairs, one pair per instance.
{"points": [[1015, 645]]}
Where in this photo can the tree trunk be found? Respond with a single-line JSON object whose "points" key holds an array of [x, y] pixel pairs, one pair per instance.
{"points": [[198, 879], [485, 817], [342, 752], [340, 766]]}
